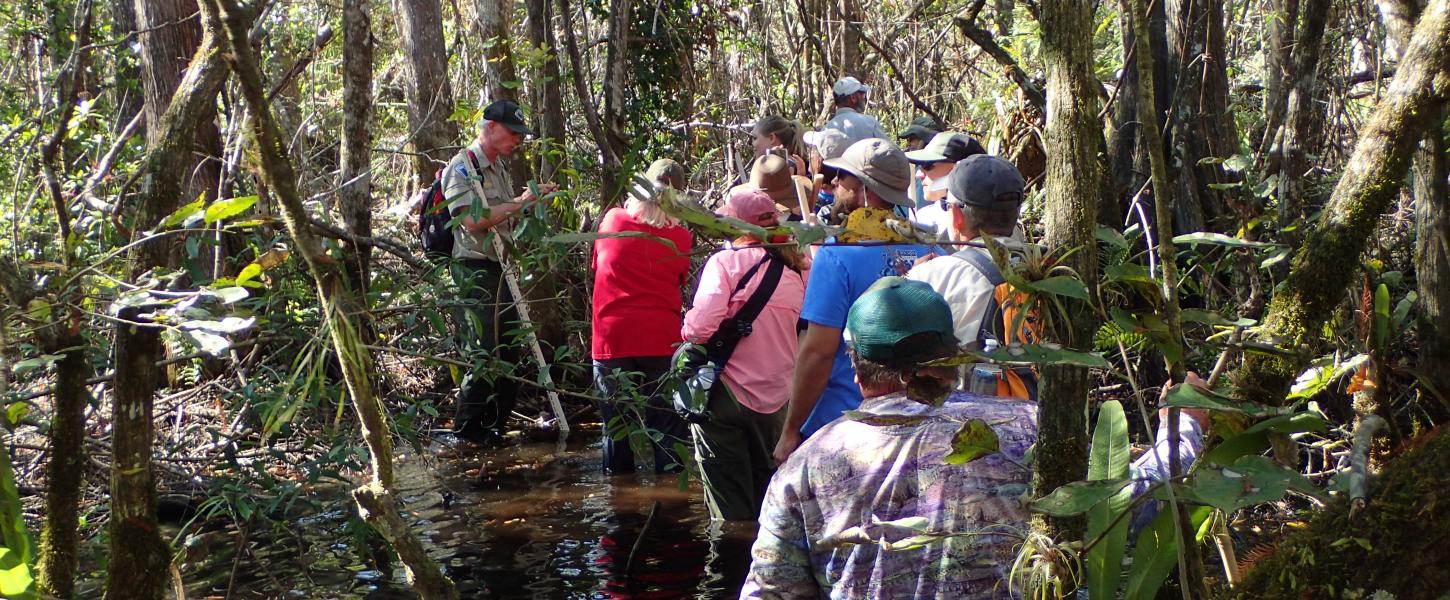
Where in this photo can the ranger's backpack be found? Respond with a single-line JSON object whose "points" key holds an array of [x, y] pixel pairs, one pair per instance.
{"points": [[1006, 322], [433, 218]]}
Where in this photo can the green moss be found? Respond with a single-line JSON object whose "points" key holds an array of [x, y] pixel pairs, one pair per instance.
{"points": [[1399, 543]]}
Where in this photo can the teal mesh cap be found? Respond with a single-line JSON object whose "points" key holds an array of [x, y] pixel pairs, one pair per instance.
{"points": [[900, 323]]}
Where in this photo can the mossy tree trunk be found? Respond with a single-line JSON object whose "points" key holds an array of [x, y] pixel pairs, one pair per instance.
{"points": [[138, 556], [1074, 184], [341, 305], [1397, 543], [1327, 261], [430, 96], [354, 194]]}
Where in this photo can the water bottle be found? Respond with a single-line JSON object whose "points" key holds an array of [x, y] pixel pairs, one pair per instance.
{"points": [[985, 375]]}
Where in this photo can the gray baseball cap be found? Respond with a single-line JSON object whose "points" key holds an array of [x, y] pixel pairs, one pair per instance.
{"points": [[881, 166], [947, 146], [922, 128], [986, 181]]}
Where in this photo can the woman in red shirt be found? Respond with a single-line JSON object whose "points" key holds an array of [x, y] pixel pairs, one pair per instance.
{"points": [[636, 321]]}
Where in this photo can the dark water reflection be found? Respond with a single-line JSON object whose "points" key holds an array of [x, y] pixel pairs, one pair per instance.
{"points": [[535, 520]]}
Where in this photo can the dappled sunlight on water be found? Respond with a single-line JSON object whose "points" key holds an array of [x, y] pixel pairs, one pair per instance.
{"points": [[534, 520]]}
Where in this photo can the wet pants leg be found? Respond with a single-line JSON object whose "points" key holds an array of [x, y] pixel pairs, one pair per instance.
{"points": [[485, 401], [734, 452], [625, 414]]}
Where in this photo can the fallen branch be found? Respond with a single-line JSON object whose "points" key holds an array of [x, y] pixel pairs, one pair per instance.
{"points": [[390, 246]]}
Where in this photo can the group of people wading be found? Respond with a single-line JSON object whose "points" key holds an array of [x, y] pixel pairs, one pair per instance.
{"points": [[828, 422]]}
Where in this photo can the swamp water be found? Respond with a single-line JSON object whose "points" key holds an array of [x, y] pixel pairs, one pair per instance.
{"points": [[532, 520]]}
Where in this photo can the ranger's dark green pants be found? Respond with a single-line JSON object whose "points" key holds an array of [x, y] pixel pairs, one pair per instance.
{"points": [[734, 453]]}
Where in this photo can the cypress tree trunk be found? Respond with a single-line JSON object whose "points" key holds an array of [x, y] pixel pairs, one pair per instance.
{"points": [[56, 567], [430, 96], [170, 38], [138, 556], [548, 97], [1298, 116], [495, 19], [1074, 141], [1325, 264], [376, 503]]}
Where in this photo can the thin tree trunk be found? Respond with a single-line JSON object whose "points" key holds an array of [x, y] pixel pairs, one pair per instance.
{"points": [[1280, 17], [616, 77], [1073, 183], [850, 38], [548, 97], [1203, 127], [138, 556], [430, 96], [129, 97], [375, 500], [609, 172], [1298, 115], [354, 196], [1327, 261]]}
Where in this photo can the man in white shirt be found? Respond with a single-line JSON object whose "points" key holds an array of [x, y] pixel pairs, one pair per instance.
{"points": [[933, 163], [850, 118], [984, 197]]}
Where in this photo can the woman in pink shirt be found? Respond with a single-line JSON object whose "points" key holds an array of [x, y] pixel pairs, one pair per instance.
{"points": [[638, 284], [734, 446]]}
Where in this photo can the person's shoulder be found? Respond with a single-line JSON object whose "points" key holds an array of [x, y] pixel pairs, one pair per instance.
{"points": [[966, 405]]}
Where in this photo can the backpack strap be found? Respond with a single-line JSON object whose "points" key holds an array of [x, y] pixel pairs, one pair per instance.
{"points": [[992, 324], [732, 329], [762, 294]]}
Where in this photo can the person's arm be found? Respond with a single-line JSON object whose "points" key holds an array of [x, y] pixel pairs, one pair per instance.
{"points": [[712, 301], [498, 213], [780, 565], [813, 362]]}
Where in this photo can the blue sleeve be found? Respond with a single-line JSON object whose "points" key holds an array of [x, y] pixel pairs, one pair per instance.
{"points": [[828, 294], [1153, 466]]}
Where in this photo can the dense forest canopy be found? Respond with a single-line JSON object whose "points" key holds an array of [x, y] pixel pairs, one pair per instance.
{"points": [[217, 313]]}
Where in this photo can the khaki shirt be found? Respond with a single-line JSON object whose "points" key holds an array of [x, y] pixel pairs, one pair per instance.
{"points": [[458, 180]]}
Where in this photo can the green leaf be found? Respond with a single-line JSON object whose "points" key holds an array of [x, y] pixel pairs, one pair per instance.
{"points": [[1250, 480], [1322, 373], [1129, 273], [590, 236], [1077, 497], [973, 440], [230, 295], [18, 552], [249, 273], [1108, 460], [1061, 285], [1196, 315], [209, 343], [231, 207], [1218, 239], [1275, 258], [1381, 316], [227, 325], [15, 412], [1111, 237], [1190, 396], [38, 310], [30, 364], [183, 214], [1156, 553], [1028, 354]]}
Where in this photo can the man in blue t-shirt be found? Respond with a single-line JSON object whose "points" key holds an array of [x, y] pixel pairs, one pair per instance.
{"points": [[878, 173]]}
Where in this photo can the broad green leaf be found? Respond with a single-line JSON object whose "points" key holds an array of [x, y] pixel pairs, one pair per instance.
{"points": [[1077, 497], [1275, 258], [15, 412], [1062, 285], [16, 580], [30, 364], [1381, 316], [1156, 552], [590, 236], [249, 273], [231, 207], [1111, 237], [973, 440], [1250, 480], [1322, 373], [38, 310], [915, 524], [1189, 396], [1029, 354], [226, 325], [1108, 460], [1196, 315], [230, 295], [1218, 239], [209, 343], [1129, 273], [183, 214]]}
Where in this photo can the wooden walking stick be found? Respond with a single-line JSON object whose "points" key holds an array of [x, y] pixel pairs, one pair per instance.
{"points": [[512, 278]]}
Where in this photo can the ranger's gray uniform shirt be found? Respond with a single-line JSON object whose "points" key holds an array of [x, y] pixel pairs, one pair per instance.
{"points": [[856, 126], [458, 180]]}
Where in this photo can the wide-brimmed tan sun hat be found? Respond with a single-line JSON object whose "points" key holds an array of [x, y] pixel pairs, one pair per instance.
{"points": [[881, 166]]}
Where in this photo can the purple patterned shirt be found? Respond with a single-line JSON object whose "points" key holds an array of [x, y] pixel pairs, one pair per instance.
{"points": [[855, 476]]}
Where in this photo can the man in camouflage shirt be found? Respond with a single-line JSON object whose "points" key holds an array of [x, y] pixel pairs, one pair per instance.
{"points": [[880, 473]]}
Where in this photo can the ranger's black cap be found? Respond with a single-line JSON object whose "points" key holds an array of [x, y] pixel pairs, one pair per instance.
{"points": [[508, 114]]}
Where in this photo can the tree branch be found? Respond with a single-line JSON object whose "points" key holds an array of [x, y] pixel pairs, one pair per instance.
{"points": [[984, 40]]}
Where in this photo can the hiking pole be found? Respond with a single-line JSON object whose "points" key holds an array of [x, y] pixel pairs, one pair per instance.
{"points": [[523, 307]]}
